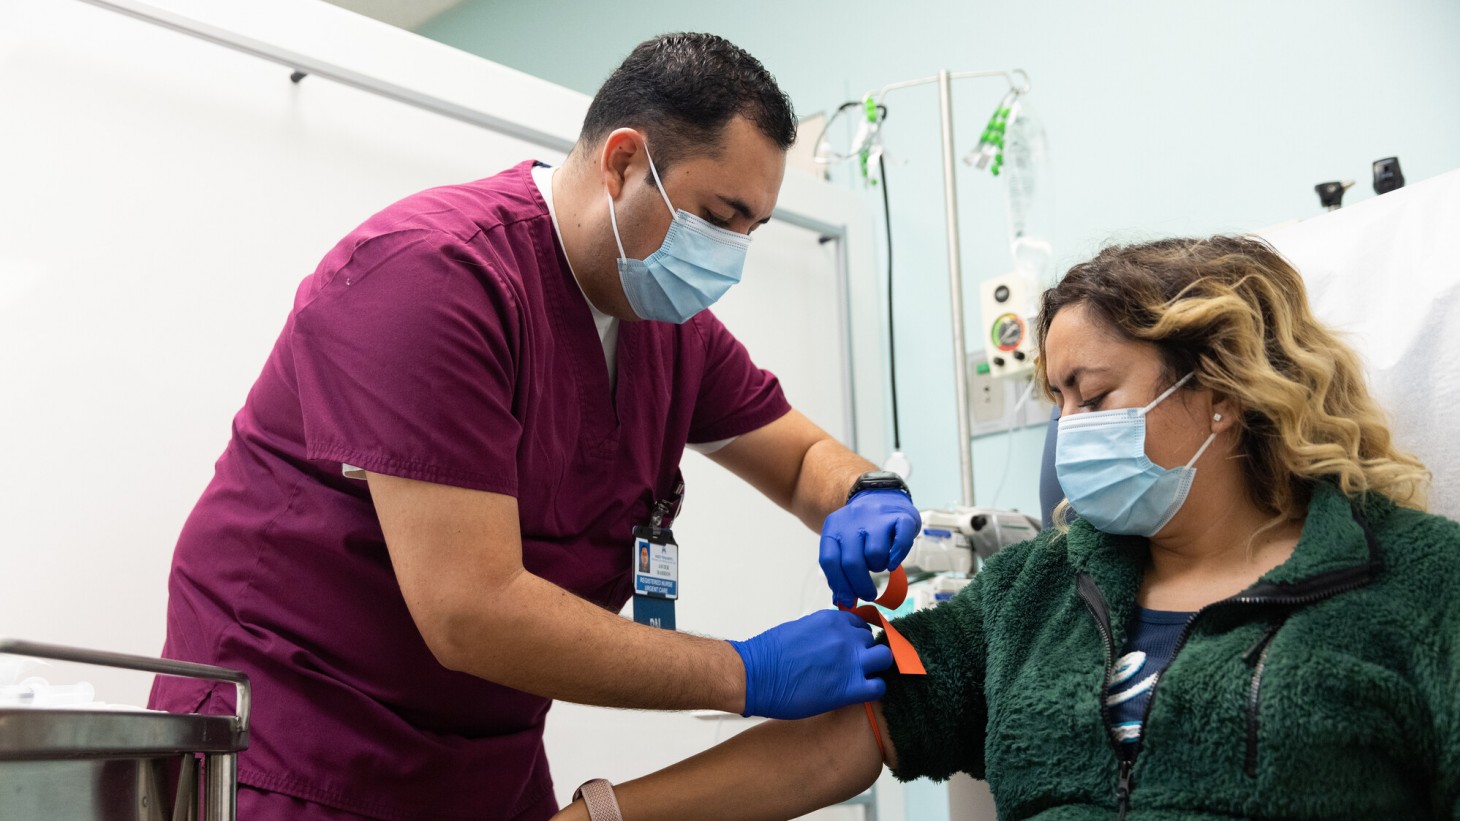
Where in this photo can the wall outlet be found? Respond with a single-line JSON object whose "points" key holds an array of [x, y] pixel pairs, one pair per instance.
{"points": [[987, 402], [992, 399]]}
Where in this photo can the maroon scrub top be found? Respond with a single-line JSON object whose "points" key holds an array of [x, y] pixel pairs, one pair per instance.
{"points": [[444, 340]]}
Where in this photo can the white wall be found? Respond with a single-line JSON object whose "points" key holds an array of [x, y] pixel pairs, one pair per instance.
{"points": [[162, 198]]}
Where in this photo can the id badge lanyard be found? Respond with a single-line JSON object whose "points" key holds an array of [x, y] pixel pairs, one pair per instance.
{"points": [[656, 564]]}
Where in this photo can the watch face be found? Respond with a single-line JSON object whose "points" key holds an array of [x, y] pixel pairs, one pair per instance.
{"points": [[878, 480]]}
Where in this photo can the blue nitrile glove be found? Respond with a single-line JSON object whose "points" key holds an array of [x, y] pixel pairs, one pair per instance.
{"points": [[812, 665], [873, 532]]}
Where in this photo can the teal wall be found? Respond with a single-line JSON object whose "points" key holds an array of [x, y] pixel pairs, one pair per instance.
{"points": [[1163, 117]]}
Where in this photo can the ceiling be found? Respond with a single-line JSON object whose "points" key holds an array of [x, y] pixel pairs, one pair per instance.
{"points": [[407, 14]]}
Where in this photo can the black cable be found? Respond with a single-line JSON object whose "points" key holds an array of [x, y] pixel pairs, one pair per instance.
{"points": [[887, 220]]}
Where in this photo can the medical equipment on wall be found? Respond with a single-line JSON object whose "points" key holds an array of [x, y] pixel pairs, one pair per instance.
{"points": [[1387, 177], [1008, 308], [990, 152], [1002, 404], [1330, 194]]}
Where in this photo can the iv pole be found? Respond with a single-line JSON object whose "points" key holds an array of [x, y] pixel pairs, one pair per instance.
{"points": [[955, 291], [945, 79]]}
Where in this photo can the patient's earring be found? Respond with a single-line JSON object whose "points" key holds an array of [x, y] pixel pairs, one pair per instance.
{"points": [[1216, 417]]}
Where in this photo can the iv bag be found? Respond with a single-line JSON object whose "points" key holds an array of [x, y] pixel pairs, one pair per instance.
{"points": [[1030, 200]]}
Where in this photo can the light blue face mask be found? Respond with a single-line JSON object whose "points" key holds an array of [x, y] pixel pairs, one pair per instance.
{"points": [[694, 267], [1100, 459]]}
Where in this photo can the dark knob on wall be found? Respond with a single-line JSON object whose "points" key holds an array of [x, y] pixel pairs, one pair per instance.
{"points": [[1387, 175], [1330, 194]]}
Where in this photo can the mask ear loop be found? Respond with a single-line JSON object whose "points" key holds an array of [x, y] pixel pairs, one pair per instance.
{"points": [[1203, 448], [1158, 400], [613, 220], [658, 183], [1216, 417]]}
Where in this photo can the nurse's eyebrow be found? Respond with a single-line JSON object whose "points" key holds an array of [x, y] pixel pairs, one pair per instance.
{"points": [[741, 208]]}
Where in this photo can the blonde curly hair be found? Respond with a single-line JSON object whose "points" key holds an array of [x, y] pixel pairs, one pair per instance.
{"points": [[1235, 312]]}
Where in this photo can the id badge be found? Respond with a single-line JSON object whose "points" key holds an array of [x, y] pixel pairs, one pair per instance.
{"points": [[656, 563], [656, 576]]}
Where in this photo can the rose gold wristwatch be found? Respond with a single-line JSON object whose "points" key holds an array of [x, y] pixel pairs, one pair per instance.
{"points": [[597, 795]]}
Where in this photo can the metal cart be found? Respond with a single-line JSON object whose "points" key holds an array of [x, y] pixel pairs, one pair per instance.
{"points": [[111, 765]]}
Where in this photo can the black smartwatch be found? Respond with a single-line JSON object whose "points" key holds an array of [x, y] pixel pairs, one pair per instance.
{"points": [[878, 480]]}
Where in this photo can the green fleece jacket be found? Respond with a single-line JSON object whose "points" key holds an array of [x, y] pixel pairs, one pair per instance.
{"points": [[1328, 689]]}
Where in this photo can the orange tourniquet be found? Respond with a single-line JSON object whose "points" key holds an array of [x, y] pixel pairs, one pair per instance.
{"points": [[904, 655]]}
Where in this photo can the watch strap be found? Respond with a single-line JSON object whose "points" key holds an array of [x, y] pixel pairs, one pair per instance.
{"points": [[598, 797]]}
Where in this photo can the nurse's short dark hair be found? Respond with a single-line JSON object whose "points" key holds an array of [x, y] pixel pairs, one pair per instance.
{"points": [[681, 90]]}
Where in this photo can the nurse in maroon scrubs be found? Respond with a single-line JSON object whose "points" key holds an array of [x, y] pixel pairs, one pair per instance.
{"points": [[422, 528]]}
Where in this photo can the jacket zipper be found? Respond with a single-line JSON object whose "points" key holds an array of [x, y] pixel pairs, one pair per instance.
{"points": [[1254, 698], [1099, 609], [1122, 789], [1307, 591]]}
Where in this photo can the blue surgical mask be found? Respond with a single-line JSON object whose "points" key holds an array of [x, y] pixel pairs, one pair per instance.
{"points": [[694, 267], [1100, 459]]}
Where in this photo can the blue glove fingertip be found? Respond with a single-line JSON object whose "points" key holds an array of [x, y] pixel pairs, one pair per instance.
{"points": [[881, 541], [876, 659], [854, 567], [830, 560], [906, 533]]}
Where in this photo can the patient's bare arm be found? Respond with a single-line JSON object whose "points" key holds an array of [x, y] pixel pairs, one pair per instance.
{"points": [[778, 770]]}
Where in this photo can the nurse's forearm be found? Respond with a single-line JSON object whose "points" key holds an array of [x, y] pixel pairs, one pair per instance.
{"points": [[828, 471], [534, 636], [778, 770], [797, 465], [457, 554]]}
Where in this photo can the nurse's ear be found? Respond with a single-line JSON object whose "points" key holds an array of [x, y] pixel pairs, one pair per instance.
{"points": [[622, 155]]}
